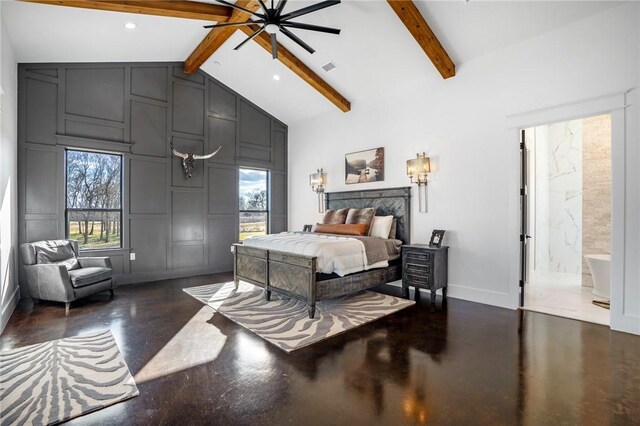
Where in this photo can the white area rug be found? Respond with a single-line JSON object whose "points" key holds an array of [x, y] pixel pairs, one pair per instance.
{"points": [[55, 381], [285, 322]]}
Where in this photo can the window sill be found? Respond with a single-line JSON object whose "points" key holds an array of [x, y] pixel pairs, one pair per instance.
{"points": [[103, 250]]}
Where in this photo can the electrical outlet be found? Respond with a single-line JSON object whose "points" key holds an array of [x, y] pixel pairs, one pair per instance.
{"points": [[132, 256]]}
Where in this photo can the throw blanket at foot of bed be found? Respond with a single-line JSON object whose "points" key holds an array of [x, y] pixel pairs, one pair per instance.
{"points": [[335, 254]]}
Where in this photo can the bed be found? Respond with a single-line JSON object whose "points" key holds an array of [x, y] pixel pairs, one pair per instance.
{"points": [[297, 275]]}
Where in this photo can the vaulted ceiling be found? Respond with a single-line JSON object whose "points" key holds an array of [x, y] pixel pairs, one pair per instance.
{"points": [[374, 50]]}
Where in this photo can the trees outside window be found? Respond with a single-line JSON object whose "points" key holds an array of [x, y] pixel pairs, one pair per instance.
{"points": [[253, 198], [94, 199]]}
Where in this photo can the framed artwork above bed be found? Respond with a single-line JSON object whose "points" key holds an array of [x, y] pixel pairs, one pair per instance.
{"points": [[364, 166]]}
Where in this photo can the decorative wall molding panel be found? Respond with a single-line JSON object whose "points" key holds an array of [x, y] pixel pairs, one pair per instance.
{"points": [[176, 226]]}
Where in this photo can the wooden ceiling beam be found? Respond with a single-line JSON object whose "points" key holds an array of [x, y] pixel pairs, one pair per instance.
{"points": [[167, 8], [420, 30], [217, 37], [300, 69]]}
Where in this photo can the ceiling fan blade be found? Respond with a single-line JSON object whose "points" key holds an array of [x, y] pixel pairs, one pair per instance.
{"points": [[250, 12], [233, 24], [274, 46], [309, 9], [280, 7], [251, 37], [295, 38], [310, 27], [264, 7]]}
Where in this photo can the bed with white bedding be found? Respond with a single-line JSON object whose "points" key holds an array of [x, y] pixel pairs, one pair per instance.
{"points": [[336, 254], [313, 267]]}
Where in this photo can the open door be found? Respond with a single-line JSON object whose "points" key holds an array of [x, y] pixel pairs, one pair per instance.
{"points": [[524, 220]]}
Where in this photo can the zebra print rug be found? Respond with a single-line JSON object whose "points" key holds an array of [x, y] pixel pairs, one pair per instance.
{"points": [[284, 322], [55, 381]]}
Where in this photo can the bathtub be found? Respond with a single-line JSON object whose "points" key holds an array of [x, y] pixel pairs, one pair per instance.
{"points": [[600, 266]]}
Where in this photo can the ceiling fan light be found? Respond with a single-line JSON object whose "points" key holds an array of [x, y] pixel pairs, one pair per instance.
{"points": [[271, 28]]}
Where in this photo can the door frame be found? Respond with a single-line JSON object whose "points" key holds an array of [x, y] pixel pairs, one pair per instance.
{"points": [[614, 104]]}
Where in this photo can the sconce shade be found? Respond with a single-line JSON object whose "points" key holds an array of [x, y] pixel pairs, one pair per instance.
{"points": [[417, 168], [318, 180]]}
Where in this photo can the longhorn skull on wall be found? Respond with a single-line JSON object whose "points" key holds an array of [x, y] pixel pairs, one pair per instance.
{"points": [[189, 160]]}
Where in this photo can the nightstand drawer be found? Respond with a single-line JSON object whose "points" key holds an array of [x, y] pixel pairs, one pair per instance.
{"points": [[412, 279], [417, 256], [422, 270]]}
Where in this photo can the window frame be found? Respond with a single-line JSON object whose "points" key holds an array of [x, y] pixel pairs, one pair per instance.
{"points": [[67, 209], [267, 211]]}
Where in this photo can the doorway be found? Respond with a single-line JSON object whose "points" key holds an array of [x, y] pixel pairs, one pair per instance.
{"points": [[566, 218]]}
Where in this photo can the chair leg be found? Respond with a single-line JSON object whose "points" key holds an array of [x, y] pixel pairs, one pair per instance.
{"points": [[112, 293], [67, 306]]}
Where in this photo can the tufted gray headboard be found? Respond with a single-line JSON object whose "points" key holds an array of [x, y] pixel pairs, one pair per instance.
{"points": [[388, 201]]}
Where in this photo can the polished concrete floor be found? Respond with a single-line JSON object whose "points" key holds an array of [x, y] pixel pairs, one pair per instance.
{"points": [[453, 363], [565, 300]]}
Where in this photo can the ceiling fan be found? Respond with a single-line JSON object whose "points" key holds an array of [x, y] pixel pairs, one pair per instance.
{"points": [[273, 20]]}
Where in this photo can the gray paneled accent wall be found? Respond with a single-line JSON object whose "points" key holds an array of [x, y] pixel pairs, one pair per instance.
{"points": [[176, 226]]}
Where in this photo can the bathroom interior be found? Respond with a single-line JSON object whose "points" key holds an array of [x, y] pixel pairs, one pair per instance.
{"points": [[569, 219]]}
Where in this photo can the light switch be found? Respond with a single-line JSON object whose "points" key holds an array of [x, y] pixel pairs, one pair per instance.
{"points": [[132, 256]]}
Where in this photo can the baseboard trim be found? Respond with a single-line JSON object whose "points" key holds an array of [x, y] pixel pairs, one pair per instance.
{"points": [[8, 309], [144, 277], [626, 324], [501, 300], [488, 297]]}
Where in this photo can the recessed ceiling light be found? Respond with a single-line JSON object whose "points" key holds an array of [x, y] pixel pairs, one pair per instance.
{"points": [[276, 77], [130, 26]]}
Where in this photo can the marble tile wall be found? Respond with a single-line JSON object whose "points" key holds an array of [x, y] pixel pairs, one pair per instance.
{"points": [[558, 201], [596, 189]]}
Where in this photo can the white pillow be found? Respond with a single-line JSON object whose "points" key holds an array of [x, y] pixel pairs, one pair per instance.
{"points": [[381, 226]]}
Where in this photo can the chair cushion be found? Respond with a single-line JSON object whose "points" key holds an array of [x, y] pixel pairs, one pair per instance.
{"points": [[57, 252], [87, 276]]}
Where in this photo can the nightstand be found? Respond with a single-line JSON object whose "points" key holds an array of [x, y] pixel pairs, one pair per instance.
{"points": [[425, 267]]}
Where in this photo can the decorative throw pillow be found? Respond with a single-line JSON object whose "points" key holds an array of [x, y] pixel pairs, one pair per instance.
{"points": [[341, 229], [335, 217], [60, 253], [393, 233], [381, 226], [361, 216]]}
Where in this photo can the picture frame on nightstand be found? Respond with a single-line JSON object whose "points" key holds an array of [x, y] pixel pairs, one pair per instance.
{"points": [[307, 228], [436, 238]]}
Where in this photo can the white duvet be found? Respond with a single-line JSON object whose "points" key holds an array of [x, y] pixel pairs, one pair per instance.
{"points": [[340, 255]]}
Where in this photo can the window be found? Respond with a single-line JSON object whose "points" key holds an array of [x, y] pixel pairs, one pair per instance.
{"points": [[253, 196], [94, 199]]}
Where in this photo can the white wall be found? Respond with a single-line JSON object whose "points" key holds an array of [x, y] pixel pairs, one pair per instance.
{"points": [[461, 124], [9, 291]]}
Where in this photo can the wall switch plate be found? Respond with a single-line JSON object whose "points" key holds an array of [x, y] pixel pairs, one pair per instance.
{"points": [[132, 256]]}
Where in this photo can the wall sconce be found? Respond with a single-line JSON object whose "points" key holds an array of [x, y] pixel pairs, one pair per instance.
{"points": [[417, 169], [318, 180]]}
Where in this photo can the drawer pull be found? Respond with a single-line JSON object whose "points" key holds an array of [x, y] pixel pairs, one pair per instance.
{"points": [[420, 268], [417, 278], [426, 257]]}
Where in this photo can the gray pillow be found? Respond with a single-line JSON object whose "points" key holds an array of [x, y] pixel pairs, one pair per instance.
{"points": [[394, 229], [365, 216], [57, 253], [335, 217]]}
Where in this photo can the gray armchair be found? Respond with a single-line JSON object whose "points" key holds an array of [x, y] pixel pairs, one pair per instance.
{"points": [[55, 272]]}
